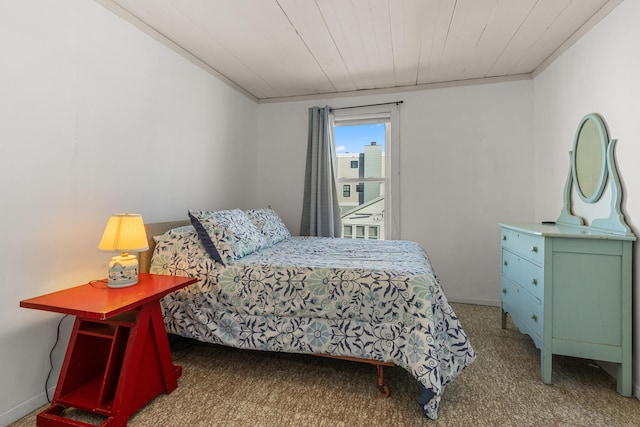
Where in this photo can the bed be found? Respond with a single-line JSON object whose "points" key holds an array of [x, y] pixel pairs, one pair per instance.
{"points": [[373, 301]]}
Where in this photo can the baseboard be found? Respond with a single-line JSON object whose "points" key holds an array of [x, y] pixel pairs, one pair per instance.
{"points": [[476, 301], [609, 367], [612, 369], [25, 408]]}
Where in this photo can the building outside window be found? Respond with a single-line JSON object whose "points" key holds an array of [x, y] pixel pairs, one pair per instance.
{"points": [[346, 190]]}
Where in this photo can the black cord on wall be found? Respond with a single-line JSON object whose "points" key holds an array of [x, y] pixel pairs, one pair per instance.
{"points": [[46, 383]]}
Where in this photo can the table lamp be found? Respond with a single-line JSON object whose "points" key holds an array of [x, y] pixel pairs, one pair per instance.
{"points": [[124, 233]]}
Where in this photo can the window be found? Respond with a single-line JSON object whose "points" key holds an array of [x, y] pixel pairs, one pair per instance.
{"points": [[373, 232], [366, 146], [370, 232]]}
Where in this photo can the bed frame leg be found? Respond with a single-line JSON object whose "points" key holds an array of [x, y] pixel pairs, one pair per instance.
{"points": [[384, 389]]}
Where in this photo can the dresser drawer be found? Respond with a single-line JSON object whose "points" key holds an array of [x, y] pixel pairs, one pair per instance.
{"points": [[527, 275], [527, 245], [526, 311]]}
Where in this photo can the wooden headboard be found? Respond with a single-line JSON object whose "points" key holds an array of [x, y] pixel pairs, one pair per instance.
{"points": [[155, 230]]}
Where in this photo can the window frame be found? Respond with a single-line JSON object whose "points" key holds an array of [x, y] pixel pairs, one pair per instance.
{"points": [[389, 115]]}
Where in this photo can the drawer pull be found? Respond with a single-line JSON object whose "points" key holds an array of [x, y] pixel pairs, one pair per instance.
{"points": [[504, 237], [534, 317], [534, 249], [505, 263], [504, 291], [534, 281]]}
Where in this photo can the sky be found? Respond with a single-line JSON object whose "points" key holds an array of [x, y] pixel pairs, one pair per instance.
{"points": [[352, 139]]}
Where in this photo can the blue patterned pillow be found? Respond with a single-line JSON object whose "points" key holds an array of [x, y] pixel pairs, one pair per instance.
{"points": [[227, 235], [269, 224], [175, 235], [178, 250]]}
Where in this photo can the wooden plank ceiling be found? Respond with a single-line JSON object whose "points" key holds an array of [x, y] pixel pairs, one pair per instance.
{"points": [[290, 48]]}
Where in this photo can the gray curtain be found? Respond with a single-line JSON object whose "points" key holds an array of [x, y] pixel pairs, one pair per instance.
{"points": [[320, 209]]}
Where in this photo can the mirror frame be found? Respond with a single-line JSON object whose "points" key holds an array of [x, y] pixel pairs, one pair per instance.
{"points": [[614, 222], [603, 143]]}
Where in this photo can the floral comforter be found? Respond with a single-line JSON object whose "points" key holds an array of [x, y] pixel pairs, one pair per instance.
{"points": [[362, 298]]}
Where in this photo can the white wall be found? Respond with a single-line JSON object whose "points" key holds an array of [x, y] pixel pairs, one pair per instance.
{"points": [[598, 74], [96, 117], [465, 159]]}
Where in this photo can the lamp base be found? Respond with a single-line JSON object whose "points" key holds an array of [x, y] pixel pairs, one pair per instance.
{"points": [[123, 271]]}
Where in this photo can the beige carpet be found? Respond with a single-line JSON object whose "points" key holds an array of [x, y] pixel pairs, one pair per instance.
{"points": [[228, 387]]}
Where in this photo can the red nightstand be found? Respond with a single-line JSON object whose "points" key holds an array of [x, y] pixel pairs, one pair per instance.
{"points": [[118, 357]]}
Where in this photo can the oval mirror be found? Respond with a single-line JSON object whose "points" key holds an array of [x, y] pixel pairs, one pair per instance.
{"points": [[588, 158]]}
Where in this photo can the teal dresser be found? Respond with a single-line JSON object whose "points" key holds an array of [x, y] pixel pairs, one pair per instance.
{"points": [[568, 284], [569, 289]]}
